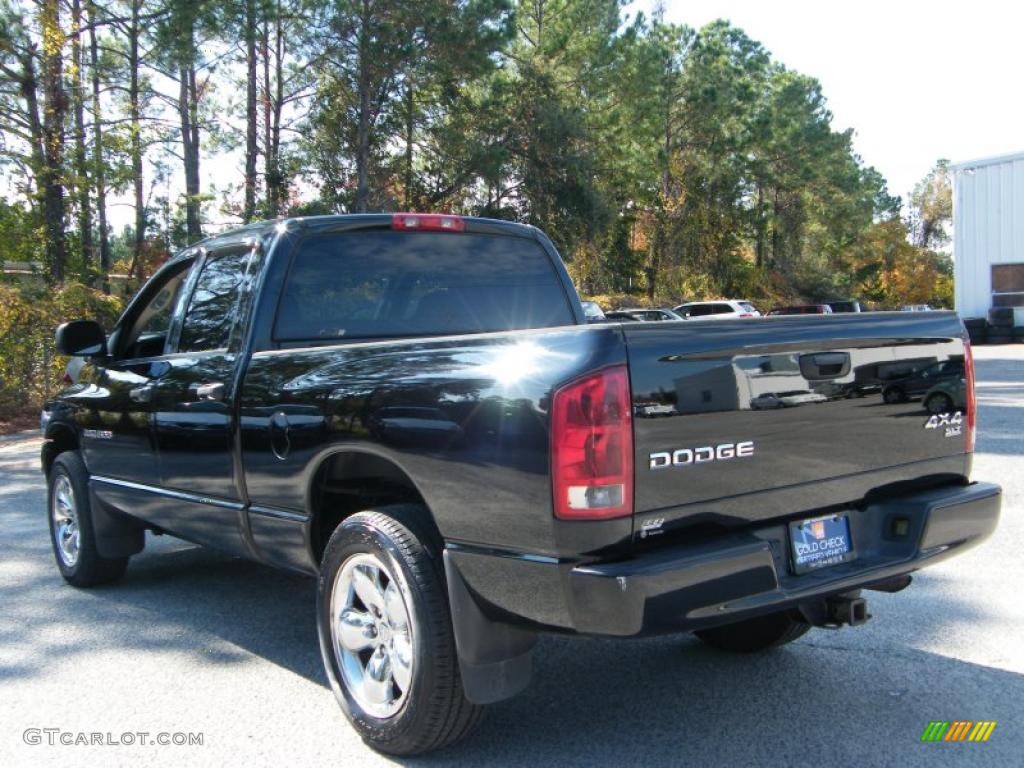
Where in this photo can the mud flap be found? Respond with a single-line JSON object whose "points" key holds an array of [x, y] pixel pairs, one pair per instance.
{"points": [[495, 658], [117, 534]]}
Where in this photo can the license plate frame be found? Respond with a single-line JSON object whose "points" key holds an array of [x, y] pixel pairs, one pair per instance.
{"points": [[813, 545]]}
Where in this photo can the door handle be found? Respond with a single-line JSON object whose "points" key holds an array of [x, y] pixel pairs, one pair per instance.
{"points": [[143, 394], [280, 435], [212, 391]]}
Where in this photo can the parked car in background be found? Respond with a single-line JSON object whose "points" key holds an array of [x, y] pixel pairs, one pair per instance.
{"points": [[803, 309], [947, 396], [844, 305], [919, 382], [654, 410], [771, 400], [916, 308], [644, 315], [72, 370], [716, 310], [621, 316], [593, 313]]}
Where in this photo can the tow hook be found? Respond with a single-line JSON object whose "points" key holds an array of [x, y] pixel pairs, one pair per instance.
{"points": [[847, 610]]}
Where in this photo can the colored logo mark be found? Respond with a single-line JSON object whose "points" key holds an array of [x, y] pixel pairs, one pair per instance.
{"points": [[958, 730]]}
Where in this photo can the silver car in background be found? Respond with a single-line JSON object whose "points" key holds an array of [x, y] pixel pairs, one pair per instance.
{"points": [[717, 310]]}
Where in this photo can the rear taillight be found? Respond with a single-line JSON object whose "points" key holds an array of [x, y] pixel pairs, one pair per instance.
{"points": [[427, 222], [592, 447], [972, 402], [746, 314]]}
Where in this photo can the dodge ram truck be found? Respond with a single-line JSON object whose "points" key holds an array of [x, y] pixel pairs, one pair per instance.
{"points": [[414, 410]]}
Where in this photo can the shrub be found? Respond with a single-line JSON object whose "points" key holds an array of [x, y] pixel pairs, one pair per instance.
{"points": [[30, 368]]}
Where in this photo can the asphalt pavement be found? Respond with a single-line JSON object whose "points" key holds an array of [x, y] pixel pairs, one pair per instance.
{"points": [[194, 642]]}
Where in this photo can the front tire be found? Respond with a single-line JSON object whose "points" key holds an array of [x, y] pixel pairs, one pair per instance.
{"points": [[71, 527], [757, 634], [386, 636]]}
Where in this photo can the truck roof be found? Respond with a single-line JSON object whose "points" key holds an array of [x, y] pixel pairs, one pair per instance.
{"points": [[351, 221]]}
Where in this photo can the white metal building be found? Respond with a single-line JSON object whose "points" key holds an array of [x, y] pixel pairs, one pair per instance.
{"points": [[988, 235]]}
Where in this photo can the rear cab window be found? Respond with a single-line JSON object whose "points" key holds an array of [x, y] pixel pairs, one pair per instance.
{"points": [[384, 284]]}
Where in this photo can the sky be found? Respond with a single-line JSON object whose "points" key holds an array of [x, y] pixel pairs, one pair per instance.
{"points": [[916, 81]]}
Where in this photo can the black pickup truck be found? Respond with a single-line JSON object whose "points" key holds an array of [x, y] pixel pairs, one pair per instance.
{"points": [[414, 410]]}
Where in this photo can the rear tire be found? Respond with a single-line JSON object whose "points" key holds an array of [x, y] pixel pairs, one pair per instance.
{"points": [[757, 634], [71, 528], [392, 662]]}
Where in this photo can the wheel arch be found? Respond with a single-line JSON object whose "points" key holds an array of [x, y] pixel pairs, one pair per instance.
{"points": [[348, 480], [59, 438]]}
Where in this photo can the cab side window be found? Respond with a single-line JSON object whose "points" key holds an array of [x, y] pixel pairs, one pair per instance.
{"points": [[213, 308], [149, 330]]}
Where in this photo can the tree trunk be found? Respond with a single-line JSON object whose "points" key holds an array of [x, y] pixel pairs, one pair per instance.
{"points": [[273, 103], [410, 106], [660, 239], [363, 130], [275, 143], [99, 170], [759, 249], [29, 87], [775, 229], [193, 172], [268, 167], [54, 110], [188, 114], [136, 138], [81, 167], [249, 211]]}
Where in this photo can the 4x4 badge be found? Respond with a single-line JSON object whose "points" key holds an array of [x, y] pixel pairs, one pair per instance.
{"points": [[952, 422]]}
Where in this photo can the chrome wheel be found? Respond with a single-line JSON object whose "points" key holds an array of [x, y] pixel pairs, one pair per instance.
{"points": [[66, 533], [371, 633]]}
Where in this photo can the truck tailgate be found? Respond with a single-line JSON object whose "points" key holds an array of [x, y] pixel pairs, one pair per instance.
{"points": [[745, 420]]}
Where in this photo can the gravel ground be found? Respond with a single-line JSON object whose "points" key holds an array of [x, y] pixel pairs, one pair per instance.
{"points": [[195, 642]]}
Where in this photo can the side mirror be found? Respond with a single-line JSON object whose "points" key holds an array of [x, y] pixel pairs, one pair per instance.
{"points": [[81, 338]]}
